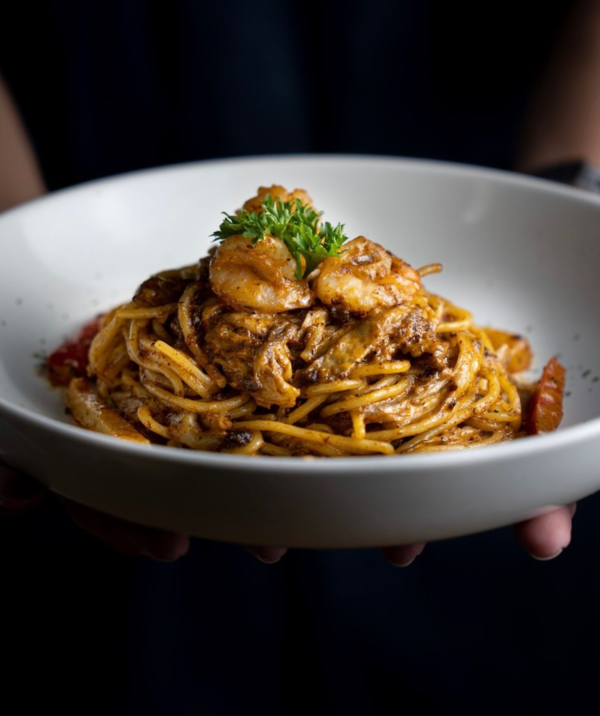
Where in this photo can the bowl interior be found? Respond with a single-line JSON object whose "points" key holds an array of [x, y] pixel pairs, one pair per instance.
{"points": [[521, 254]]}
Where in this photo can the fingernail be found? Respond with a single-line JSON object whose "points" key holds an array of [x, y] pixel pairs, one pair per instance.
{"points": [[162, 549], [546, 559], [144, 552], [403, 564], [404, 555], [268, 555]]}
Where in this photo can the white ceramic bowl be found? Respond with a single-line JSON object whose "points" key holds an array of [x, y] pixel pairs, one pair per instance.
{"points": [[522, 254]]}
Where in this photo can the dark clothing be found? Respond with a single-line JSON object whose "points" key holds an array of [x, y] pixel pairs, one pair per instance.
{"points": [[112, 86], [474, 626]]}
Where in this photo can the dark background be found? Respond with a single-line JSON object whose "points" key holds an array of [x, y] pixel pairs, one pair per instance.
{"points": [[112, 86], [474, 626]]}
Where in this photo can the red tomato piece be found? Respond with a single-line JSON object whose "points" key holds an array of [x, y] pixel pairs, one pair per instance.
{"points": [[71, 359], [545, 410]]}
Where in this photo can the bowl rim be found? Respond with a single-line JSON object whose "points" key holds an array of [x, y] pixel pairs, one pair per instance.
{"points": [[569, 436], [437, 166]]}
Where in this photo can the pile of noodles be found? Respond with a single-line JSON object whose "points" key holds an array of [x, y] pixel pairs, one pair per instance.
{"points": [[432, 382]]}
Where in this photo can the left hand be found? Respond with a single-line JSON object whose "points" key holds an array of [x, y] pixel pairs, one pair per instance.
{"points": [[543, 537]]}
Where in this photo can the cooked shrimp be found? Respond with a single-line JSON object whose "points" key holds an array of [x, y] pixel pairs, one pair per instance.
{"points": [[258, 277], [363, 277], [277, 193]]}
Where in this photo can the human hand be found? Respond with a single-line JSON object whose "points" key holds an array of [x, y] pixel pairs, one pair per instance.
{"points": [[543, 537], [19, 493]]}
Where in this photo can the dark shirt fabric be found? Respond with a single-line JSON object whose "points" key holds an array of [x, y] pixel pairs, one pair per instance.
{"points": [[474, 626], [113, 86]]}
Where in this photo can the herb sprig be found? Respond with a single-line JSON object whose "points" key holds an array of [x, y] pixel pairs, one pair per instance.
{"points": [[295, 223]]}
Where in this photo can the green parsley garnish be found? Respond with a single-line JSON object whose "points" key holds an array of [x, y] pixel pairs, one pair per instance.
{"points": [[296, 224]]}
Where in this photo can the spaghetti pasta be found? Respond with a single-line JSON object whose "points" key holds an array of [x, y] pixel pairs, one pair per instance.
{"points": [[272, 353]]}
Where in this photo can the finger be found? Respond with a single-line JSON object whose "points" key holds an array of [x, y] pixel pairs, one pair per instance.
{"points": [[268, 555], [126, 537], [18, 492], [403, 555], [546, 536]]}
